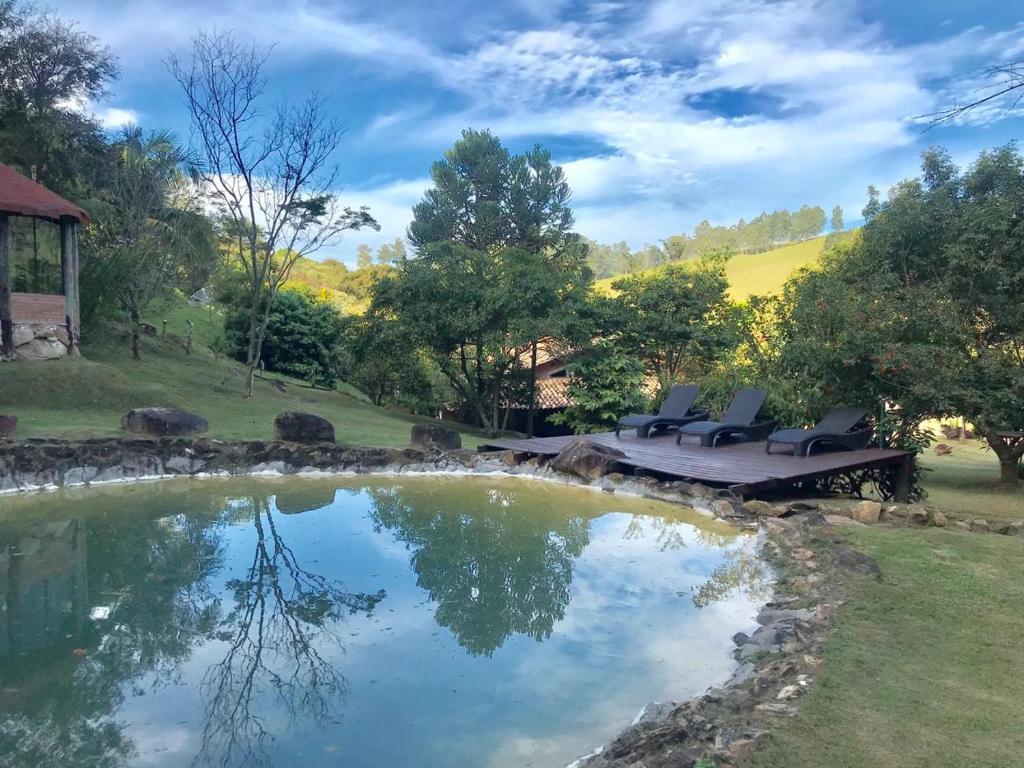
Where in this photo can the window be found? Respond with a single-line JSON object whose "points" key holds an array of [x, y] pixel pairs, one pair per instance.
{"points": [[35, 256]]}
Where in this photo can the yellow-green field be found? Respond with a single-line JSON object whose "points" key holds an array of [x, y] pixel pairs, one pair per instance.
{"points": [[759, 273]]}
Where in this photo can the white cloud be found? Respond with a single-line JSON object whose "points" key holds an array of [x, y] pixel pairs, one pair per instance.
{"points": [[815, 98], [112, 118]]}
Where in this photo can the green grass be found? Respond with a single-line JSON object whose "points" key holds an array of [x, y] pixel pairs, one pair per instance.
{"points": [[966, 483], [86, 397], [924, 669], [758, 273]]}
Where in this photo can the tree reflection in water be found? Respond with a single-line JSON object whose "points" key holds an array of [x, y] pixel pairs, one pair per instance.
{"points": [[279, 632], [743, 571], [493, 568]]}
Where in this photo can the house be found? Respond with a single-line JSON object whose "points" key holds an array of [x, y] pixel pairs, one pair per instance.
{"points": [[39, 307]]}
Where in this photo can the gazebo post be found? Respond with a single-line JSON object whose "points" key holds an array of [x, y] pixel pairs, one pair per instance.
{"points": [[69, 275], [6, 323]]}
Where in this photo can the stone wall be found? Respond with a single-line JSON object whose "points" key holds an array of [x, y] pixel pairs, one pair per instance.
{"points": [[40, 341]]}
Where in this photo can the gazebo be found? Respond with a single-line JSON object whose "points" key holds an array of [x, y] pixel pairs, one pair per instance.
{"points": [[39, 316]]}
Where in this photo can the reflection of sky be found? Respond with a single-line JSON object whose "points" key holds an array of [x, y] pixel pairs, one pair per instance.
{"points": [[629, 635]]}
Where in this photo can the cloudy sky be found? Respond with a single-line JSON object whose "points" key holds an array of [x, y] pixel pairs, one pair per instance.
{"points": [[663, 112]]}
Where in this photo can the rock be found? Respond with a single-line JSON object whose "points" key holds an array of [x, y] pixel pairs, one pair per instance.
{"points": [[980, 525], [961, 525], [8, 426], [852, 561], [654, 712], [22, 334], [40, 349], [937, 519], [866, 512], [160, 422], [776, 709], [586, 460], [918, 515], [789, 692], [763, 508], [434, 436], [1015, 528], [841, 520], [723, 508], [943, 449], [299, 427]]}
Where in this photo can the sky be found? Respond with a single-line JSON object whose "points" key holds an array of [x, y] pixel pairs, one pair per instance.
{"points": [[662, 112]]}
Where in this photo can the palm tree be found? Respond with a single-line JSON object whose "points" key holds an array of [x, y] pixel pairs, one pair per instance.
{"points": [[147, 224]]}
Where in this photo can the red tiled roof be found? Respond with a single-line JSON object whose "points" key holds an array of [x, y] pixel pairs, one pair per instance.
{"points": [[24, 197]]}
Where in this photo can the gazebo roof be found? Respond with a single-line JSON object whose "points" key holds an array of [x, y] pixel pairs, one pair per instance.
{"points": [[23, 197]]}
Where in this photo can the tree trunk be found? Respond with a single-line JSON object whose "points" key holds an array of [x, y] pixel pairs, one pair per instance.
{"points": [[133, 315], [533, 391], [1009, 450]]}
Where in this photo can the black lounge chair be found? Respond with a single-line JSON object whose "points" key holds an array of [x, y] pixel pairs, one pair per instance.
{"points": [[738, 419], [674, 412], [838, 428]]}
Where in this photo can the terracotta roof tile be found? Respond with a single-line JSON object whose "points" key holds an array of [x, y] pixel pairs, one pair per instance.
{"points": [[24, 197]]}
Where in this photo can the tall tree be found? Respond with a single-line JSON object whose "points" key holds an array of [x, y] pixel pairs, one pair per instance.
{"points": [[364, 256], [837, 219], [273, 178], [495, 258], [49, 70]]}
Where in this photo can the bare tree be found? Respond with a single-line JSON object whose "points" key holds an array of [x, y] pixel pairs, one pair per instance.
{"points": [[1005, 80], [272, 175]]}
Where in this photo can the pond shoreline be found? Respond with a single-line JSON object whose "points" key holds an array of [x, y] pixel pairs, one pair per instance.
{"points": [[46, 465], [775, 664]]}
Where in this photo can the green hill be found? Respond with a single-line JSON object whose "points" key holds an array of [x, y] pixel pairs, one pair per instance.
{"points": [[86, 397], [760, 273]]}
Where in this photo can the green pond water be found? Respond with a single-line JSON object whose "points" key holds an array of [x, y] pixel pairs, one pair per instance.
{"points": [[353, 621]]}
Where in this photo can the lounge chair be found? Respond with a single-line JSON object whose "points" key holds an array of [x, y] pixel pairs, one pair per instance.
{"points": [[838, 428], [738, 419], [675, 411]]}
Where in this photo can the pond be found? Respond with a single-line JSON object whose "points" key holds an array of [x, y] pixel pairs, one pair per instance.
{"points": [[388, 621]]}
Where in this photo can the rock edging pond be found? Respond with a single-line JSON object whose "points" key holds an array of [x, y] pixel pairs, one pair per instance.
{"points": [[777, 662]]}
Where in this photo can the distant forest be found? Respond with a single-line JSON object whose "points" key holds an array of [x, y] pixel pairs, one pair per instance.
{"points": [[767, 231]]}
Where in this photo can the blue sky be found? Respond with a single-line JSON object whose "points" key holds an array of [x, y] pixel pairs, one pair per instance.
{"points": [[663, 112]]}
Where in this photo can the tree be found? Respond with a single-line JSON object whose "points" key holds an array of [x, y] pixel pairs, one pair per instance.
{"points": [[48, 70], [873, 206], [364, 256], [147, 225], [398, 248], [923, 309], [495, 258], [675, 320], [385, 363], [385, 254], [605, 383], [303, 336], [837, 219], [273, 178], [1005, 81]]}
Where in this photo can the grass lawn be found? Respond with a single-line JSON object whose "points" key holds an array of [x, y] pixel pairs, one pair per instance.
{"points": [[967, 483], [925, 668], [86, 397]]}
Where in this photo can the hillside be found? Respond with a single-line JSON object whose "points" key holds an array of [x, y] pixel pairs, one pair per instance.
{"points": [[762, 273], [87, 397]]}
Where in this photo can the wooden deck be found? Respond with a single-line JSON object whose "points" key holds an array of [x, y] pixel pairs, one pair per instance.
{"points": [[743, 467]]}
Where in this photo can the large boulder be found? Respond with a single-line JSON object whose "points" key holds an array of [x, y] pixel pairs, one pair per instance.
{"points": [[160, 422], [8, 426], [299, 427], [426, 437], [586, 460]]}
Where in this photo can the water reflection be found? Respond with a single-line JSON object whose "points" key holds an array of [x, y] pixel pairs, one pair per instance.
{"points": [[282, 621], [222, 615], [491, 575]]}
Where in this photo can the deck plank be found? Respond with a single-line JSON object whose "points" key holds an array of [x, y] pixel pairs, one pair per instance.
{"points": [[742, 465]]}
